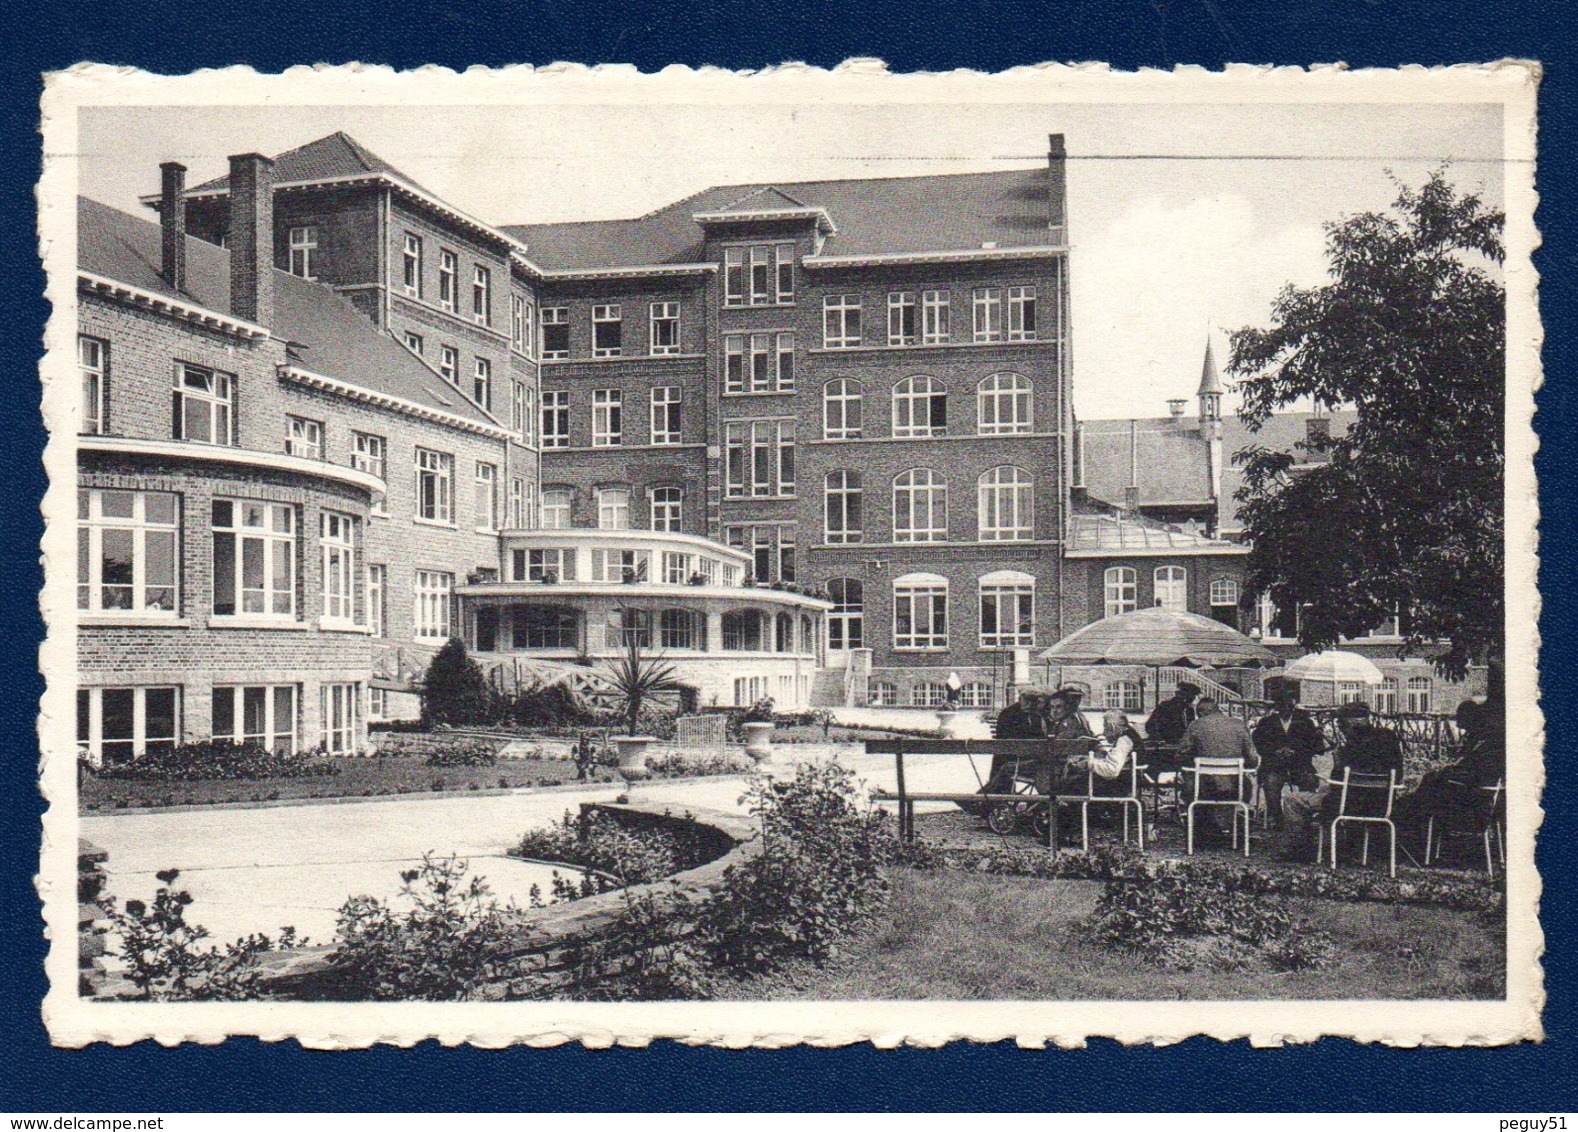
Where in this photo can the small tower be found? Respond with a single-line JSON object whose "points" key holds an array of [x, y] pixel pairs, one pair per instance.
{"points": [[1210, 387]]}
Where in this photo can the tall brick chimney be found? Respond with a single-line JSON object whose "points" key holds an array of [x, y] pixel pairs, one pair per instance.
{"points": [[1057, 189], [172, 222], [252, 237]]}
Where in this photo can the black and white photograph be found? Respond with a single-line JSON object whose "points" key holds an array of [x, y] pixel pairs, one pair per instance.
{"points": [[803, 557]]}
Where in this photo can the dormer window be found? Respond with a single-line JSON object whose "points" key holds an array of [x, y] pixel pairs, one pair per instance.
{"points": [[758, 276]]}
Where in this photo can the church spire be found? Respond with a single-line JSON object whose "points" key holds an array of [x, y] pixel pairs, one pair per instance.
{"points": [[1210, 392]]}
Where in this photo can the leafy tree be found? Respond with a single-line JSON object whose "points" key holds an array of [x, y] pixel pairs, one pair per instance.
{"points": [[455, 692], [635, 678], [1405, 513]]}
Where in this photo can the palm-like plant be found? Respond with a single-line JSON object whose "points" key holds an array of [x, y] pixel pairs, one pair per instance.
{"points": [[635, 678]]}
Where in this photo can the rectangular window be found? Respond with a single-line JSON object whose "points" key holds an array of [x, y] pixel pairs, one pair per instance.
{"points": [[369, 454], [607, 417], [759, 458], [555, 563], [666, 414], [663, 337], [543, 627], [481, 295], [555, 333], [482, 382], [411, 265], [840, 321], [1021, 314], [1121, 590], [254, 558], [988, 314], [435, 486], [337, 539], [430, 620], [758, 276], [339, 718], [841, 410], [117, 725], [449, 365], [518, 416], [784, 362], [263, 715], [620, 565], [485, 498], [377, 598], [678, 567], [519, 322], [608, 333], [555, 508], [842, 500], [786, 563], [304, 438], [758, 363], [1418, 695], [783, 255], [1008, 616], [936, 328], [555, 418], [903, 325], [377, 703], [303, 244], [761, 276], [204, 405], [666, 503], [413, 342], [448, 279], [517, 515], [93, 362], [613, 508], [920, 615], [128, 552], [734, 277]]}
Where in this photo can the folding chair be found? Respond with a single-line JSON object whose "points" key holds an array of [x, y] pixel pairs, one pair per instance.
{"points": [[1228, 769], [1132, 798], [1355, 793], [1161, 777], [1481, 813]]}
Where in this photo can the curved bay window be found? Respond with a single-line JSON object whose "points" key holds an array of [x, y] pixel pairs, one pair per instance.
{"points": [[743, 631], [783, 633], [543, 627], [681, 629]]}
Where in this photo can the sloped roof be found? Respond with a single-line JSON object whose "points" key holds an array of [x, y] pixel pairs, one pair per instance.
{"points": [[1210, 380], [1281, 432], [338, 155], [1116, 535], [1166, 460], [874, 216], [327, 334]]}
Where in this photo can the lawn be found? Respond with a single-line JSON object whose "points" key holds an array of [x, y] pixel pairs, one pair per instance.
{"points": [[946, 935]]}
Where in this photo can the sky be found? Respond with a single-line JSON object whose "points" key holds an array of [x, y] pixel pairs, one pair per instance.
{"points": [[1184, 220]]}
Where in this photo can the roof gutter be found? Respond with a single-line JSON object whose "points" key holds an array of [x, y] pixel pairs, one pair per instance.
{"points": [[167, 304], [390, 401], [961, 255]]}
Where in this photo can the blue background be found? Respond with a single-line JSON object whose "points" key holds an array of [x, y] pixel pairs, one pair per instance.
{"points": [[178, 36]]}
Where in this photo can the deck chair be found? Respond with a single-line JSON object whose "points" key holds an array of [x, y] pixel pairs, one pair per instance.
{"points": [[1364, 800], [1227, 771]]}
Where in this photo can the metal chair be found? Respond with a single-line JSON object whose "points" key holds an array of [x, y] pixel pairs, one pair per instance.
{"points": [[1356, 791], [1228, 769], [1482, 809], [1124, 801]]}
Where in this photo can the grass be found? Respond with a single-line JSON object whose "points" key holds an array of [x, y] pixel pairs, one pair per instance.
{"points": [[953, 936]]}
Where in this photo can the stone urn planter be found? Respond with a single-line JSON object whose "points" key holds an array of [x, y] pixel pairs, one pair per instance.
{"points": [[758, 740], [633, 755], [948, 724]]}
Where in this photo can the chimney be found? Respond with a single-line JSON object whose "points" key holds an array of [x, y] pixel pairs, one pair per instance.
{"points": [[252, 237], [1057, 189], [1175, 406], [1131, 500], [172, 222]]}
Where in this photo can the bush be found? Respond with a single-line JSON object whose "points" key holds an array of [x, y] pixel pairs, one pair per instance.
{"points": [[454, 691], [473, 752], [550, 706], [591, 840], [219, 759], [677, 765]]}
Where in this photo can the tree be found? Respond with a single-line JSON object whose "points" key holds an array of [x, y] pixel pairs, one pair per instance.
{"points": [[635, 678], [454, 691], [1405, 514]]}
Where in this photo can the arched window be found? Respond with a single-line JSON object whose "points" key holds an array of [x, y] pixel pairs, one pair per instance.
{"points": [[929, 693], [666, 505], [613, 508], [555, 509], [742, 631], [920, 612], [783, 636], [1418, 702], [1123, 695], [1172, 588], [1003, 405], [627, 625], [1006, 497], [841, 496], [1008, 610], [543, 627], [920, 407], [807, 633], [976, 694], [1121, 587], [1386, 696], [841, 409], [678, 629], [846, 620], [920, 507], [883, 693]]}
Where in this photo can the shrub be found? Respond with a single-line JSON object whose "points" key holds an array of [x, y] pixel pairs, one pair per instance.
{"points": [[454, 691], [474, 752], [590, 840], [219, 759], [647, 955], [676, 765], [550, 706]]}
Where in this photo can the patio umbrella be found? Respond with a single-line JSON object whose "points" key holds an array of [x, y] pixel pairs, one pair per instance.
{"points": [[1160, 637], [1335, 666]]}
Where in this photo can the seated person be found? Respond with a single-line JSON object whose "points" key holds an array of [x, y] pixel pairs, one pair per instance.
{"points": [[1365, 749], [1024, 719], [1455, 790], [1287, 741], [1215, 735], [1108, 761], [1172, 718]]}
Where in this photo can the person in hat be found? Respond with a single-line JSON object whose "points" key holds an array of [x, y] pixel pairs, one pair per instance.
{"points": [[1172, 717], [1287, 741], [1063, 718], [1365, 749], [1025, 718]]}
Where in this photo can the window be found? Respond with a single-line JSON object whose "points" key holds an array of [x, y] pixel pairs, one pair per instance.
{"points": [[254, 558], [1122, 695], [884, 693], [368, 454], [621, 565], [377, 598], [734, 277], [304, 438], [481, 297], [520, 323], [556, 418], [976, 694], [128, 552], [543, 627], [435, 486], [840, 322], [555, 508], [1122, 591], [411, 265], [1224, 600], [666, 414], [758, 458], [936, 306], [1003, 405], [663, 334], [846, 620], [743, 631], [758, 276], [920, 507], [786, 563], [485, 496], [520, 416], [555, 333], [761, 276], [517, 511], [613, 508], [988, 307], [1172, 588], [337, 540], [414, 343], [666, 503], [1350, 692], [448, 279], [903, 325], [841, 409], [1386, 696], [1418, 701], [678, 567], [203, 403], [261, 714], [783, 254], [117, 725], [430, 618], [920, 612], [607, 331], [929, 693], [607, 417], [1008, 610], [303, 243], [758, 363], [538, 565], [377, 703], [1021, 314], [920, 407], [92, 361], [1006, 501], [339, 717], [482, 382], [449, 365], [677, 629], [841, 493]]}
